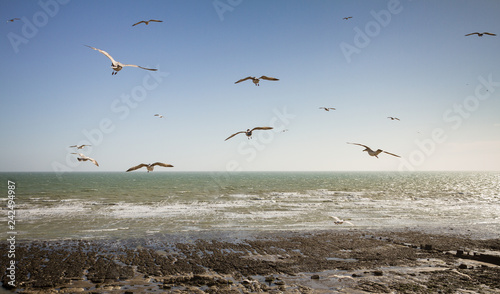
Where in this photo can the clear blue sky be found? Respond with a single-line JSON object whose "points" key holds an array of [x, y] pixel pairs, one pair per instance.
{"points": [[408, 59]]}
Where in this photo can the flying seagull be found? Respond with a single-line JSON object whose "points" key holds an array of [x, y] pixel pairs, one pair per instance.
{"points": [[79, 146], [327, 108], [147, 21], [149, 167], [159, 115], [85, 158], [13, 19], [117, 66], [257, 80], [393, 118], [339, 221], [481, 34], [346, 18], [371, 152], [248, 132]]}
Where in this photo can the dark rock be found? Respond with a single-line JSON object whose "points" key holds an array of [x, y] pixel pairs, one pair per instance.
{"points": [[315, 277]]}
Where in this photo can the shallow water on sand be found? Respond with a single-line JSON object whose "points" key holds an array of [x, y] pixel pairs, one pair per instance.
{"points": [[137, 205]]}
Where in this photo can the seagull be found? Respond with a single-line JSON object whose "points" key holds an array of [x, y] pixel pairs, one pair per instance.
{"points": [[346, 18], [339, 221], [393, 118], [79, 146], [327, 108], [159, 115], [481, 34], [85, 158], [147, 21], [149, 167], [371, 152], [248, 132], [117, 66], [257, 80], [13, 19]]}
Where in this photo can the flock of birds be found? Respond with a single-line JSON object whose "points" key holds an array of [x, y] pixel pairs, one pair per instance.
{"points": [[117, 66]]}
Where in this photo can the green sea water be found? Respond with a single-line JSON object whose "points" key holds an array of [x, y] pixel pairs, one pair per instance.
{"points": [[137, 205]]}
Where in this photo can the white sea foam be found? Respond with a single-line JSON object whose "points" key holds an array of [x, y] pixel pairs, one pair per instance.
{"points": [[128, 208]]}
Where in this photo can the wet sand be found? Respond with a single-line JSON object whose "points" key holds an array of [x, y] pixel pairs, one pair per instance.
{"points": [[348, 261]]}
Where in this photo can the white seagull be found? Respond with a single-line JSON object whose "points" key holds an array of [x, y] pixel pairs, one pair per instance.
{"points": [[327, 108], [147, 21], [79, 146], [149, 167], [339, 221], [85, 158], [248, 132], [481, 34], [13, 19], [257, 80], [393, 118], [159, 115], [371, 152], [117, 66]]}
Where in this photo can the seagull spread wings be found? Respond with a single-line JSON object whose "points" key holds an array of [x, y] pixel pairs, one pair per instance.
{"points": [[257, 128], [481, 34], [149, 165], [261, 78], [85, 158], [79, 146], [373, 153], [114, 62], [147, 21]]}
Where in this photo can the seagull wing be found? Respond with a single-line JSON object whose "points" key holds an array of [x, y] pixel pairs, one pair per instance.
{"points": [[476, 33], [73, 146], [261, 128], [155, 20], [486, 33], [162, 164], [81, 155], [137, 167], [93, 161], [103, 52], [359, 145], [138, 23], [391, 153], [336, 218], [234, 135], [244, 79], [133, 65], [268, 78]]}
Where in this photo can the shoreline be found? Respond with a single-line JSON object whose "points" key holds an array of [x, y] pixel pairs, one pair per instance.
{"points": [[323, 261]]}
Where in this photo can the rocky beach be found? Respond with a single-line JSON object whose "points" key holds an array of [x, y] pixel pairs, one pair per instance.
{"points": [[350, 261]]}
